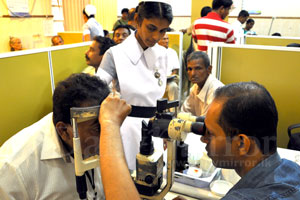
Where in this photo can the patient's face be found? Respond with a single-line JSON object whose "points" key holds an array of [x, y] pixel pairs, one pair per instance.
{"points": [[219, 146], [89, 133]]}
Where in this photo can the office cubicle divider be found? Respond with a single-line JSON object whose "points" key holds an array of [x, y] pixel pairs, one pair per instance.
{"points": [[27, 81], [71, 37], [270, 40], [277, 68]]}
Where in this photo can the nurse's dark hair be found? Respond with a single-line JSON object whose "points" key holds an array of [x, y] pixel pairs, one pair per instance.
{"points": [[249, 109], [199, 55], [154, 10], [77, 90]]}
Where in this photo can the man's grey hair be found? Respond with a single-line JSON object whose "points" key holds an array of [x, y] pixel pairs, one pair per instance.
{"points": [[197, 55]]}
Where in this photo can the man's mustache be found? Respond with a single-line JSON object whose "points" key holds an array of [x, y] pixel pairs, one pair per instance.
{"points": [[87, 58]]}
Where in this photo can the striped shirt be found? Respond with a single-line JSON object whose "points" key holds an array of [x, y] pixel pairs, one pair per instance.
{"points": [[212, 29]]}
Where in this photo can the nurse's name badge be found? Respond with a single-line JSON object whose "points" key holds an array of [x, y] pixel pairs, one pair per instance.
{"points": [[160, 82], [157, 76]]}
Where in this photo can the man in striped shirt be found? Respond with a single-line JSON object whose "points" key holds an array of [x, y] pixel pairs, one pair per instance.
{"points": [[213, 28]]}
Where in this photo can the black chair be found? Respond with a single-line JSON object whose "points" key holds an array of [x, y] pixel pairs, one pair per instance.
{"points": [[294, 142]]}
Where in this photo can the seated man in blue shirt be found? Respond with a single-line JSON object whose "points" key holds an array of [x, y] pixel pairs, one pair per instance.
{"points": [[241, 134]]}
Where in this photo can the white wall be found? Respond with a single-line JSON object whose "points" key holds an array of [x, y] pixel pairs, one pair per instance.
{"points": [[180, 7], [289, 27], [276, 8], [126, 4], [273, 8]]}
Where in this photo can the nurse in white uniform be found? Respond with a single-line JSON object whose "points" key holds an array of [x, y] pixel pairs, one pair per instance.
{"points": [[91, 27], [139, 68]]}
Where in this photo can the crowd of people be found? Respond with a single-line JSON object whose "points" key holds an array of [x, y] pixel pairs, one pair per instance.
{"points": [[126, 25], [127, 74]]}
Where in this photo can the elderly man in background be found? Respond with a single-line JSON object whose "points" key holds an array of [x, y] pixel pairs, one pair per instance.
{"points": [[57, 40], [205, 84], [15, 44]]}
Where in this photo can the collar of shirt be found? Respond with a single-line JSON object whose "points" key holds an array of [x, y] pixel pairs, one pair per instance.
{"points": [[134, 51], [214, 15], [254, 177], [52, 145], [203, 91], [91, 20]]}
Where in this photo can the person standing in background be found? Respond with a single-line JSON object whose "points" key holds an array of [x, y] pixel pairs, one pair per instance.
{"points": [[249, 25], [91, 28], [213, 28], [124, 18], [237, 27]]}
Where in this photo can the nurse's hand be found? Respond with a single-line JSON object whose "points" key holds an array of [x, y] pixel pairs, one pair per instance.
{"points": [[113, 110]]}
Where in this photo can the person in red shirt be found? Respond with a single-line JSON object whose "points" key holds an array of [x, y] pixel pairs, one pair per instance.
{"points": [[213, 28]]}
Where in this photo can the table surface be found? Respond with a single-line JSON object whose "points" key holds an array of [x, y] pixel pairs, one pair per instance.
{"points": [[191, 193]]}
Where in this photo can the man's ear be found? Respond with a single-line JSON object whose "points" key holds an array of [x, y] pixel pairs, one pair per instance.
{"points": [[244, 143], [222, 8], [65, 131]]}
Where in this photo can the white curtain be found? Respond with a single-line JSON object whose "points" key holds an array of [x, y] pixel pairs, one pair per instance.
{"points": [[73, 19]]}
